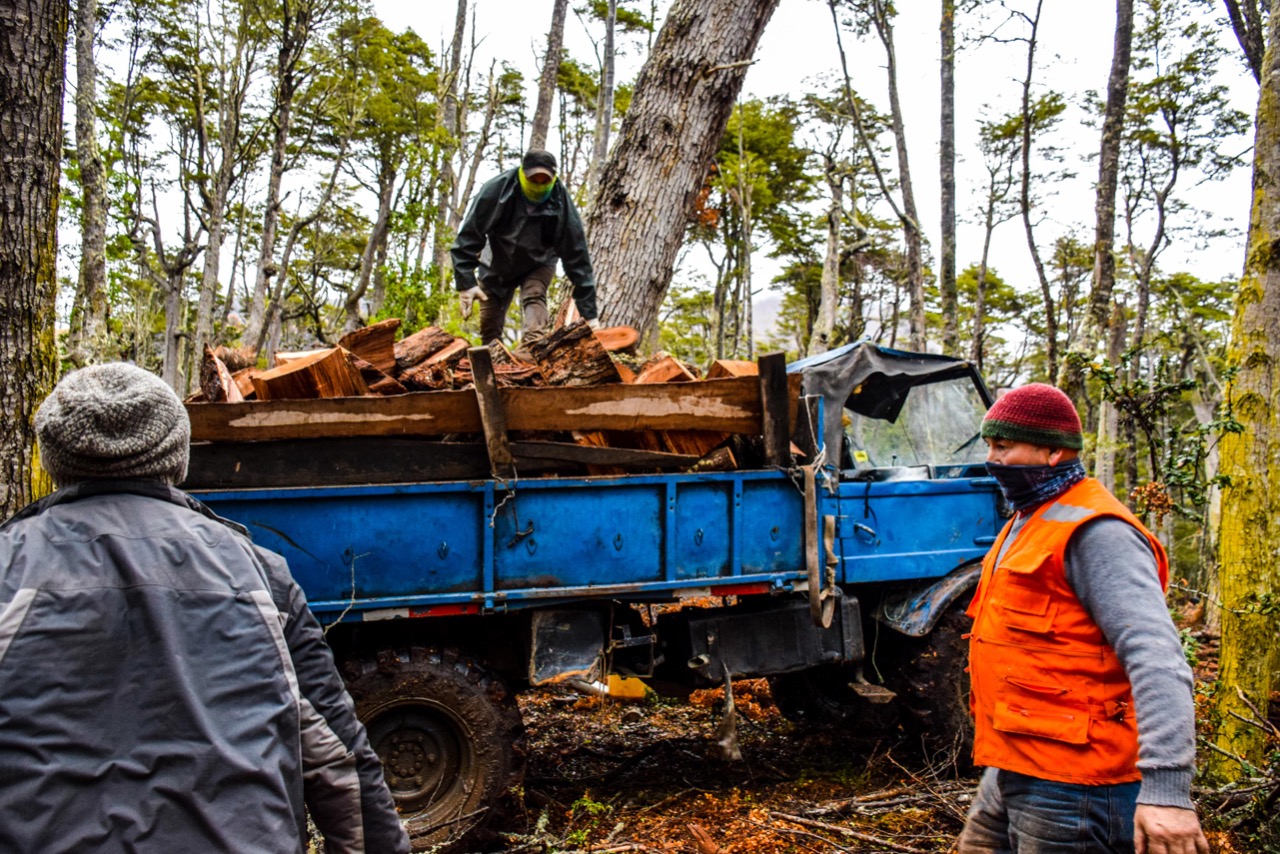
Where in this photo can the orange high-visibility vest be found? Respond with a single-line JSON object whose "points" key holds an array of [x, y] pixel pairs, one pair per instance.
{"points": [[1049, 696]]}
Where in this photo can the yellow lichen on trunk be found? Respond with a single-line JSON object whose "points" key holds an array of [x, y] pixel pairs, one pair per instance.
{"points": [[1249, 535]]}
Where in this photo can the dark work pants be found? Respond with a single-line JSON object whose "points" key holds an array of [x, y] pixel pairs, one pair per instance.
{"points": [[533, 303]]}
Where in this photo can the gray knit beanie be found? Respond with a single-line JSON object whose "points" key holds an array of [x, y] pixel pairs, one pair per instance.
{"points": [[113, 421]]}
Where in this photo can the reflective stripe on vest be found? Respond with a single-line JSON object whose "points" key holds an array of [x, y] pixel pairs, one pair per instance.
{"points": [[1049, 696]]}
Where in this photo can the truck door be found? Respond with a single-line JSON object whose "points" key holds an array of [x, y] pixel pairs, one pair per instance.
{"points": [[915, 499]]}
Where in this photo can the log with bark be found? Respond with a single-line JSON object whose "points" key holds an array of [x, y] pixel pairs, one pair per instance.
{"points": [[436, 370], [216, 382], [572, 356], [414, 349]]}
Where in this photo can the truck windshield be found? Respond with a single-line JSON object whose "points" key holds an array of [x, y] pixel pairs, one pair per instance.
{"points": [[938, 426]]}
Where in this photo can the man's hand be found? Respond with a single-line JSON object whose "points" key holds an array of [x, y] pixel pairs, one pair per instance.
{"points": [[1167, 830], [468, 297], [594, 323]]}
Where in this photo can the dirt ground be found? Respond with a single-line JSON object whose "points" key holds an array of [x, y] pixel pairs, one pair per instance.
{"points": [[610, 776]]}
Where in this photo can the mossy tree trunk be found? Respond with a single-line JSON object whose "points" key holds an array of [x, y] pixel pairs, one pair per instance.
{"points": [[33, 41], [1250, 529]]}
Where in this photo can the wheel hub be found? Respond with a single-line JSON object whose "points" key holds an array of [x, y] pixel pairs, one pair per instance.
{"points": [[424, 754]]}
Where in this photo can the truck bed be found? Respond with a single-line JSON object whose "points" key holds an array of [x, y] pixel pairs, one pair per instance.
{"points": [[419, 549]]}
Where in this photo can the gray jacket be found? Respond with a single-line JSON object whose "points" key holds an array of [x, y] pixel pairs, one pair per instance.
{"points": [[164, 688]]}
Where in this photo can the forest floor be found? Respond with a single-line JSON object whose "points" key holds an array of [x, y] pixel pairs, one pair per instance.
{"points": [[611, 776]]}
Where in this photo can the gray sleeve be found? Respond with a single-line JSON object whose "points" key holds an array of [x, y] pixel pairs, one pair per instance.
{"points": [[1110, 567]]}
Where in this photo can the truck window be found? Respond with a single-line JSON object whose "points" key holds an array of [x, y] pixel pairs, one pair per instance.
{"points": [[938, 426]]}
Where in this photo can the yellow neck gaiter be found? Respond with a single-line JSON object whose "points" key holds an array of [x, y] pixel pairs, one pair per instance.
{"points": [[535, 193]]}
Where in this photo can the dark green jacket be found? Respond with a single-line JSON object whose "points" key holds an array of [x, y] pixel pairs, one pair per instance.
{"points": [[504, 238]]}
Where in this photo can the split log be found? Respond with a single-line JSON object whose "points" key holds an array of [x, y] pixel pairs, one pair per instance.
{"points": [[216, 383], [244, 381], [285, 357], [572, 357], [377, 381], [375, 344], [617, 339], [414, 349], [663, 368], [722, 368], [428, 373], [624, 371], [328, 373]]}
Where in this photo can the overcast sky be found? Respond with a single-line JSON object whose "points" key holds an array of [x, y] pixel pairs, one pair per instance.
{"points": [[799, 45]]}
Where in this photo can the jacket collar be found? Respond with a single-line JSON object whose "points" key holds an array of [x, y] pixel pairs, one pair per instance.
{"points": [[146, 488]]}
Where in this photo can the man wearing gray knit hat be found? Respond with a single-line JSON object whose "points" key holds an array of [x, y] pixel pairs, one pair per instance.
{"points": [[163, 685]]}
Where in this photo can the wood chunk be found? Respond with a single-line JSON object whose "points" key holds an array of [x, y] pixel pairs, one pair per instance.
{"points": [[375, 344], [572, 357], [377, 381], [285, 357], [628, 375], [328, 373], [617, 338], [437, 365], [663, 368], [413, 349], [244, 381], [216, 383], [509, 371], [721, 459], [236, 358], [722, 368]]}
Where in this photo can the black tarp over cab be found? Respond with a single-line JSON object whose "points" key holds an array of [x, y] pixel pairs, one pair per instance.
{"points": [[874, 381]]}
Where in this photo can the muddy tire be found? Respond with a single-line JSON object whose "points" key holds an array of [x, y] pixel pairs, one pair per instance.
{"points": [[450, 739], [822, 695], [933, 689]]}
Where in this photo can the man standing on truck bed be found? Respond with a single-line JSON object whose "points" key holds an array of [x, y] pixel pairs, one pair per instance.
{"points": [[163, 685], [519, 225], [1081, 695]]}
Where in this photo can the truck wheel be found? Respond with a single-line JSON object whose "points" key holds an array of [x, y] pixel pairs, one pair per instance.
{"points": [[449, 736], [934, 688], [822, 695]]}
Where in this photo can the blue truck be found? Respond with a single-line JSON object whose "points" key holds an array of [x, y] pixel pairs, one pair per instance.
{"points": [[444, 597]]}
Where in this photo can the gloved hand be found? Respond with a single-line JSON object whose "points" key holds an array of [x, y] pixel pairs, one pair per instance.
{"points": [[594, 323], [468, 297]]}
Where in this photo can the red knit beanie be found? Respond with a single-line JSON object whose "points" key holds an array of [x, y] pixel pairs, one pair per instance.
{"points": [[1035, 413]]}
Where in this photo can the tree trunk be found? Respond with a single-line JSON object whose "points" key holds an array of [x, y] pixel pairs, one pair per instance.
{"points": [[1046, 293], [448, 174], [682, 102], [824, 325], [32, 75], [377, 238], [295, 30], [910, 219], [1250, 576], [604, 109], [550, 70], [947, 169], [89, 308]]}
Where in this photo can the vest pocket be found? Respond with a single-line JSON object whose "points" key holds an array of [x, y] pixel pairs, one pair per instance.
{"points": [[1056, 723], [1024, 609]]}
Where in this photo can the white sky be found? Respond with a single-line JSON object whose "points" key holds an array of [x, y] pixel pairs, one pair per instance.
{"points": [[799, 44]]}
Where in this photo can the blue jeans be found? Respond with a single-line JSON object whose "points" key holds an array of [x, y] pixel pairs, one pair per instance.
{"points": [[1015, 813]]}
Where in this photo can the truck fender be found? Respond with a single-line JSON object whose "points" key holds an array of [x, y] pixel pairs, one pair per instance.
{"points": [[915, 612]]}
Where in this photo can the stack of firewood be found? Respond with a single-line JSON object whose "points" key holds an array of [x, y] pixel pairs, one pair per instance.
{"points": [[371, 361], [649, 424]]}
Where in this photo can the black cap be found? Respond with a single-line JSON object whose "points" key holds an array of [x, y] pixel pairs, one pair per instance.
{"points": [[538, 159]]}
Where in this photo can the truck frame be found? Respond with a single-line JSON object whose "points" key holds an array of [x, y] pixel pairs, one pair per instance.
{"points": [[444, 598]]}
